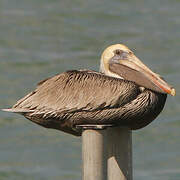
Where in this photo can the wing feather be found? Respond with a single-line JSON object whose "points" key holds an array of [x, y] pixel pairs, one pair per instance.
{"points": [[74, 91]]}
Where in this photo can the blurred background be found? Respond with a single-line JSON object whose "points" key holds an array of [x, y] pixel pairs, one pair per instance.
{"points": [[41, 38]]}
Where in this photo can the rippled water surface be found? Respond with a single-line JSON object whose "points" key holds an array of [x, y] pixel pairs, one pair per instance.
{"points": [[41, 38]]}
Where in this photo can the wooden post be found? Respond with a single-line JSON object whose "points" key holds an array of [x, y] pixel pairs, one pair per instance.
{"points": [[119, 142], [93, 155], [107, 153]]}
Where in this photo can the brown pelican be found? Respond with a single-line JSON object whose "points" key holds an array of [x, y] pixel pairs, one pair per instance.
{"points": [[125, 92]]}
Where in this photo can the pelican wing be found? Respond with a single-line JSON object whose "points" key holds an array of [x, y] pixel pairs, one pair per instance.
{"points": [[74, 91]]}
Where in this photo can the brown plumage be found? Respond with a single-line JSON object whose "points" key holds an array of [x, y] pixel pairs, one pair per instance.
{"points": [[88, 97]]}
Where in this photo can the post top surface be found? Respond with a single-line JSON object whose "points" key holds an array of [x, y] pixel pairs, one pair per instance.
{"points": [[94, 126]]}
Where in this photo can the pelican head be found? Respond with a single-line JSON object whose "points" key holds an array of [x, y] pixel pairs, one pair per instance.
{"points": [[120, 62]]}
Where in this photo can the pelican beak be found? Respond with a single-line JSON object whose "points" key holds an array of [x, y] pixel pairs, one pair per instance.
{"points": [[142, 75]]}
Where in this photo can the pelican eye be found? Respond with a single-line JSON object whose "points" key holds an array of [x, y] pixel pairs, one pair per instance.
{"points": [[118, 52]]}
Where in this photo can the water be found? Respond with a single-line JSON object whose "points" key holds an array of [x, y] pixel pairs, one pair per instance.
{"points": [[41, 38]]}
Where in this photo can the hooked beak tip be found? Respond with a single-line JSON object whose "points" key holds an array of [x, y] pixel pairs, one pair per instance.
{"points": [[173, 92]]}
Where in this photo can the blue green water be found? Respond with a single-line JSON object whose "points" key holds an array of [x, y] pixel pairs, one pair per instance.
{"points": [[42, 38]]}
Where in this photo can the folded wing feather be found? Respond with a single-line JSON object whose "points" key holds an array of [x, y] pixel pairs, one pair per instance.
{"points": [[78, 91]]}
